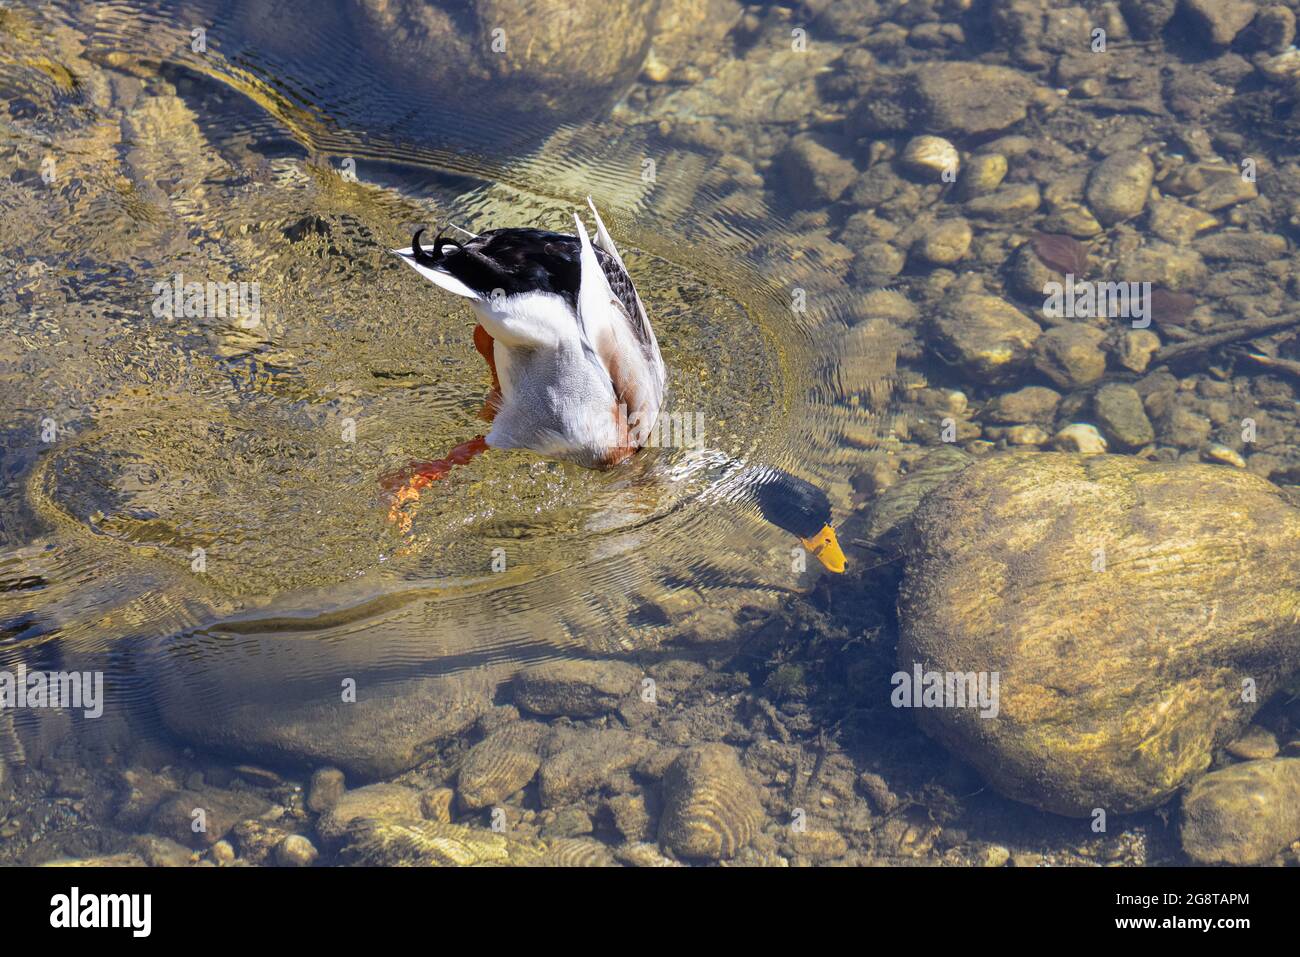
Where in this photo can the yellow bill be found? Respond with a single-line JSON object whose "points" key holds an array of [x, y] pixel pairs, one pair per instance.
{"points": [[827, 549]]}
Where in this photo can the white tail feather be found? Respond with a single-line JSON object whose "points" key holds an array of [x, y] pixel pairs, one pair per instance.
{"points": [[603, 239]]}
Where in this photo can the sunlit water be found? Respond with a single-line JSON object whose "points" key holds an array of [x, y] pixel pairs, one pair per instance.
{"points": [[203, 490]]}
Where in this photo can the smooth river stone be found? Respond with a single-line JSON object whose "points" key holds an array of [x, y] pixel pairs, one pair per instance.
{"points": [[1137, 614]]}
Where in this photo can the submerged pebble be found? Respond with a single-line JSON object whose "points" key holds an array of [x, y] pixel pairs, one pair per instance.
{"points": [[499, 765], [932, 157], [987, 337], [1118, 186], [579, 689], [1080, 437], [296, 851], [711, 810], [1243, 814], [1070, 355], [325, 789], [984, 173], [374, 801], [1255, 744], [946, 242], [1120, 413]]}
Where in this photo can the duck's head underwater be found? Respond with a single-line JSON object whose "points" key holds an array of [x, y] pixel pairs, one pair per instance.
{"points": [[576, 370]]}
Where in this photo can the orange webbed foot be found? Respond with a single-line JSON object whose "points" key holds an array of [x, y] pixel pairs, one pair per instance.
{"points": [[404, 486]]}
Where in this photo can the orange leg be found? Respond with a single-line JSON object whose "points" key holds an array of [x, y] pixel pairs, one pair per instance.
{"points": [[406, 484], [484, 344]]}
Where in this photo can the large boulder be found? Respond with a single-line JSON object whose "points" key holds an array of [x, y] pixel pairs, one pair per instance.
{"points": [[1135, 615], [554, 55], [550, 55]]}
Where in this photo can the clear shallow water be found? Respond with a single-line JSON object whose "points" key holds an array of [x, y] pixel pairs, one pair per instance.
{"points": [[192, 504], [207, 486]]}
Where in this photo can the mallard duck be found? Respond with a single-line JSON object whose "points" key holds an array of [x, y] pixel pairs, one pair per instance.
{"points": [[576, 370]]}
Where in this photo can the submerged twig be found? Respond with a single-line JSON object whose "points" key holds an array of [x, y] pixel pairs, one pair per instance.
{"points": [[1288, 366], [1230, 332]]}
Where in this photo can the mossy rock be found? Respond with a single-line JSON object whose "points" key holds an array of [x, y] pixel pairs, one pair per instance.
{"points": [[1136, 614]]}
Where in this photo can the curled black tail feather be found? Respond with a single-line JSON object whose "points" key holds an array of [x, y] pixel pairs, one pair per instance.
{"points": [[430, 258]]}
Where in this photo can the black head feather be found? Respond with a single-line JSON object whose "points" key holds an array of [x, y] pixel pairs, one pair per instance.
{"points": [[791, 503]]}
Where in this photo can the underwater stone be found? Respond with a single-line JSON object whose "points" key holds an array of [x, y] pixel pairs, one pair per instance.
{"points": [[1176, 632], [577, 852], [578, 689], [1120, 414], [946, 242], [413, 842], [1080, 437], [1028, 275], [1070, 355], [436, 804], [986, 336], [1224, 192], [1007, 204], [819, 843], [1072, 219], [1135, 347], [1255, 743], [583, 760], [891, 510], [387, 730], [1220, 20], [223, 853], [1275, 28], [1148, 17], [886, 304], [1118, 186], [296, 851], [984, 173], [257, 839], [162, 852], [1243, 814], [711, 810], [1033, 403], [555, 55], [946, 97], [931, 156], [1026, 435], [222, 810], [499, 765], [1258, 248], [374, 801], [327, 786], [814, 170], [1177, 223], [1217, 452], [644, 855], [878, 263]]}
